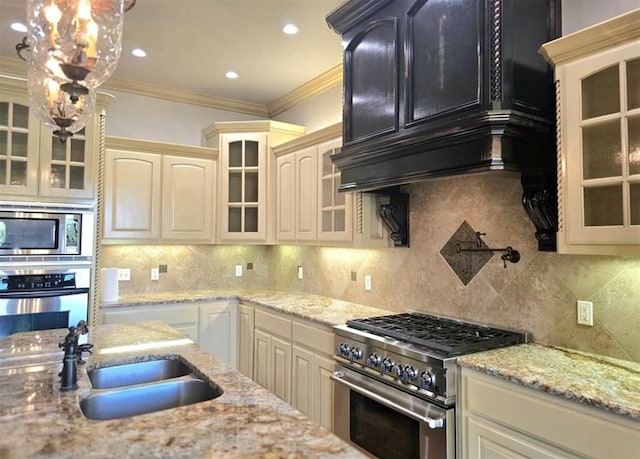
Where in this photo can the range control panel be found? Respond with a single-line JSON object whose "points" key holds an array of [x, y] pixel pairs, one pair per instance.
{"points": [[27, 282]]}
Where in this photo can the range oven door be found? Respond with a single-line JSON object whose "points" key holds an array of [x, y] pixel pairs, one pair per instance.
{"points": [[385, 422]]}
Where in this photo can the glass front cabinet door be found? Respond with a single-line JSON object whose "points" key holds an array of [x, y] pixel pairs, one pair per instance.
{"points": [[18, 146], [243, 192], [599, 139]]}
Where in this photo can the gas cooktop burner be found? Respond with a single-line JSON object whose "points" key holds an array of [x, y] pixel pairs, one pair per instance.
{"points": [[439, 333]]}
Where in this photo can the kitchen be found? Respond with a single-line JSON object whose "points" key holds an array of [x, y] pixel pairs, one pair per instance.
{"points": [[538, 294]]}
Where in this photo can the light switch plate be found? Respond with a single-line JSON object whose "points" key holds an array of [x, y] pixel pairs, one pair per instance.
{"points": [[124, 274]]}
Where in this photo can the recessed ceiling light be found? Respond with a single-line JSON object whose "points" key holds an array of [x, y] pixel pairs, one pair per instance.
{"points": [[19, 27], [139, 52], [231, 75], [290, 29]]}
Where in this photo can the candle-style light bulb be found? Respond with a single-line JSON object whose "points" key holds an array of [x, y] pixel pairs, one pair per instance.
{"points": [[53, 15], [92, 39]]}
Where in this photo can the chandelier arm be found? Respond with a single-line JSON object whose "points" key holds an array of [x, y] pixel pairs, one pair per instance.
{"points": [[23, 47]]}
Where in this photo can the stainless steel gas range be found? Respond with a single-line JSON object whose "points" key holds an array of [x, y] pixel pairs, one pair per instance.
{"points": [[396, 382]]}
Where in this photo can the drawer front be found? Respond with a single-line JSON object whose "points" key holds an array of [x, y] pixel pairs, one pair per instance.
{"points": [[272, 323], [311, 336]]}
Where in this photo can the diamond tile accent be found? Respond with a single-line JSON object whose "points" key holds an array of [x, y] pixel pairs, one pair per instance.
{"points": [[465, 264]]}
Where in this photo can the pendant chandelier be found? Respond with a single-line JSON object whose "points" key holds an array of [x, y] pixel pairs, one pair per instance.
{"points": [[74, 46]]}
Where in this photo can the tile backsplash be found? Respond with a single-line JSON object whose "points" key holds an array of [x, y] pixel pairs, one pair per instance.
{"points": [[538, 294]]}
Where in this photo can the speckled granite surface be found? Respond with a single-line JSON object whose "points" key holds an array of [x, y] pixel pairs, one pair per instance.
{"points": [[602, 382], [316, 308], [245, 421]]}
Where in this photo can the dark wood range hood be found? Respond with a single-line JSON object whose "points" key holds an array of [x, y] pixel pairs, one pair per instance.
{"points": [[437, 88]]}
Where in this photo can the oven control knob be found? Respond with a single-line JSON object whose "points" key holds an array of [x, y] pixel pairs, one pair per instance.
{"points": [[410, 373], [374, 360], [426, 379], [344, 350], [399, 370], [387, 365], [356, 353]]}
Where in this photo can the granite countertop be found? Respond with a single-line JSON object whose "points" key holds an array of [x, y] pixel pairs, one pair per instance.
{"points": [[245, 421], [316, 308], [602, 382]]}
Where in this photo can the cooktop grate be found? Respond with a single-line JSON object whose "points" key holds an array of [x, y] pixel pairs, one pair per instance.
{"points": [[446, 335]]}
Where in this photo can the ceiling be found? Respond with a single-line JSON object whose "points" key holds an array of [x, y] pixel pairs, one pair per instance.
{"points": [[191, 44]]}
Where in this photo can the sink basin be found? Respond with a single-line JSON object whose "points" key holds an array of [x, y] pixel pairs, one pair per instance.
{"points": [[147, 398], [137, 373]]}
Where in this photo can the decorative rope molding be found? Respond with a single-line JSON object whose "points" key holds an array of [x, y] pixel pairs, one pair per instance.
{"points": [[496, 50]]}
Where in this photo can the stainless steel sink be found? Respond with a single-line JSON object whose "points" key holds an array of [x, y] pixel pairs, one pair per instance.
{"points": [[147, 398], [137, 373]]}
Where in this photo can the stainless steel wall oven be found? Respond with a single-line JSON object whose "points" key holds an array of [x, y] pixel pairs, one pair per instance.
{"points": [[39, 299]]}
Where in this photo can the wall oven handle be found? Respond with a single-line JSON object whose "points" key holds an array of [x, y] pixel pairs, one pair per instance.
{"points": [[433, 423], [43, 293]]}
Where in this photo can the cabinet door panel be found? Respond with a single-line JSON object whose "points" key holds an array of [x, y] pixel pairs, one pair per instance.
{"points": [[306, 194], [444, 42], [262, 360], [323, 392], [302, 389], [132, 195], [245, 340], [286, 198], [187, 188], [217, 330], [371, 60], [281, 368]]}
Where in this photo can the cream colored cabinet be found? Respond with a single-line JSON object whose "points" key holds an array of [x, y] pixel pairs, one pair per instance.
{"points": [[217, 329], [34, 162], [598, 84], [181, 316], [272, 353], [247, 177], [312, 365], [502, 419], [310, 210], [132, 195], [296, 198], [153, 195], [245, 339], [187, 199]]}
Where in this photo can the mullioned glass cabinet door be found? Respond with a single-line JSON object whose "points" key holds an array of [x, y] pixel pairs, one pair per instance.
{"points": [[603, 148], [243, 191], [19, 131]]}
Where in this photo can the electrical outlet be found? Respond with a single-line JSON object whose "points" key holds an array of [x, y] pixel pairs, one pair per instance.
{"points": [[585, 313], [155, 273], [367, 283], [238, 270], [300, 272], [124, 274]]}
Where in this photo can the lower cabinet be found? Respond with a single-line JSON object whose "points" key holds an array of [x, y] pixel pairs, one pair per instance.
{"points": [[217, 329], [245, 339], [293, 359], [501, 419], [183, 317], [211, 324]]}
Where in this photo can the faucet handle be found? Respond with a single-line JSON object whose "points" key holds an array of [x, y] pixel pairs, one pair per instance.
{"points": [[83, 348]]}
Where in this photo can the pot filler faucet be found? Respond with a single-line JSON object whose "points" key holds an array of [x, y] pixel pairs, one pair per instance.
{"points": [[73, 356]]}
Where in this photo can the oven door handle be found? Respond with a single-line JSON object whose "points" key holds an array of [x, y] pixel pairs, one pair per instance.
{"points": [[433, 423], [43, 293]]}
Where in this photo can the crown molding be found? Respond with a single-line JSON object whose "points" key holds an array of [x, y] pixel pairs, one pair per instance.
{"points": [[321, 83], [614, 31], [164, 148], [308, 140], [15, 67]]}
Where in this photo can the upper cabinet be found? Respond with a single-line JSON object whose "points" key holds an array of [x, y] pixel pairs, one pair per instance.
{"points": [[157, 192], [310, 209], [246, 185], [598, 81], [36, 164], [434, 88]]}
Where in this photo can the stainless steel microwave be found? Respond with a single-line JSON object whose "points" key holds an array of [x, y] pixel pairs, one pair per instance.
{"points": [[44, 232]]}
